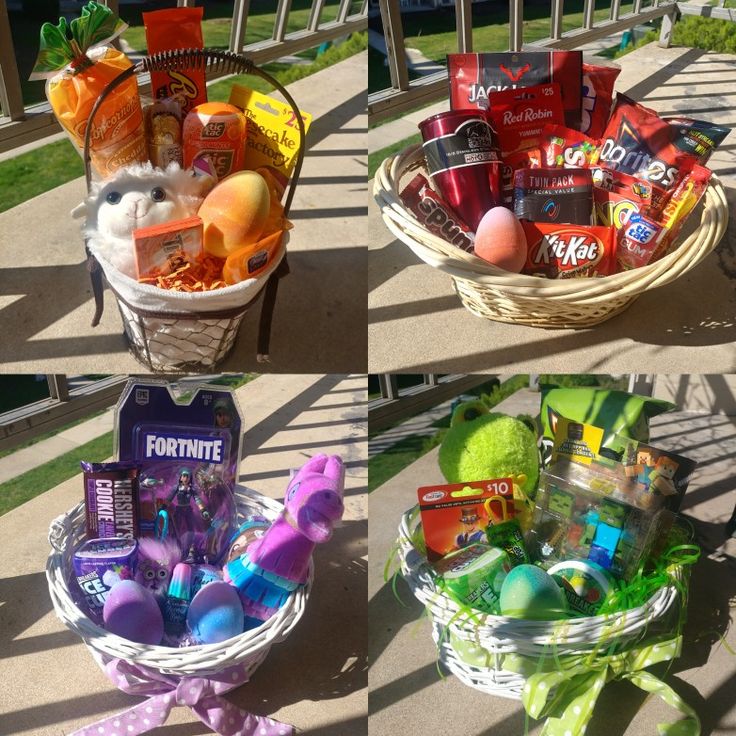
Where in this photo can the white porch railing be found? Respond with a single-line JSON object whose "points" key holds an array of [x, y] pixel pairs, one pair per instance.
{"points": [[20, 124]]}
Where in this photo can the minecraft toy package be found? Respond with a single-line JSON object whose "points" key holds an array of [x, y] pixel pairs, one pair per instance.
{"points": [[581, 513], [188, 451]]}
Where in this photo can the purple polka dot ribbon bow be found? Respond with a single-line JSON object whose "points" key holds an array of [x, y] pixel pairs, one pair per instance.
{"points": [[201, 694]]}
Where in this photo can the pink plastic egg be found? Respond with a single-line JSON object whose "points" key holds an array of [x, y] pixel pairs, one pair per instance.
{"points": [[500, 240]]}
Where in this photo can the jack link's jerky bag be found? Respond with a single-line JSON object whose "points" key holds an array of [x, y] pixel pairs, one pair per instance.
{"points": [[620, 414], [474, 76], [177, 28], [77, 70]]}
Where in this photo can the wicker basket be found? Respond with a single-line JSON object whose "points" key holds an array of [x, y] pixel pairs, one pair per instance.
{"points": [[195, 339], [248, 649], [497, 636], [490, 292]]}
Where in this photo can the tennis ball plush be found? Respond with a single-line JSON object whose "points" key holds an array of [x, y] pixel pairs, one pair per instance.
{"points": [[481, 445], [529, 592], [235, 212], [500, 240]]}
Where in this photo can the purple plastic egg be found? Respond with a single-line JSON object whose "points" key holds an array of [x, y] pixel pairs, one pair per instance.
{"points": [[215, 613], [131, 611]]}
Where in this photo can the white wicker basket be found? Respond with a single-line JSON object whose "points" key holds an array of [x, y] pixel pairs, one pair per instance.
{"points": [[248, 649], [498, 636], [490, 292]]}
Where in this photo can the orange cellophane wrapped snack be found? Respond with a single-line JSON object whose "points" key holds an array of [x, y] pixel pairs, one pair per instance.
{"points": [[117, 130]]}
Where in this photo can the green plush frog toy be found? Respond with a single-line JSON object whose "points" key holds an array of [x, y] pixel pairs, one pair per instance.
{"points": [[481, 445]]}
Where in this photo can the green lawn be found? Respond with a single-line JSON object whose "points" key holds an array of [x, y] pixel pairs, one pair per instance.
{"points": [[20, 178], [41, 479], [375, 158]]}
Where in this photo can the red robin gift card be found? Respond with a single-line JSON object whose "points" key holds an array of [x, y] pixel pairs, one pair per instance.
{"points": [[456, 515]]}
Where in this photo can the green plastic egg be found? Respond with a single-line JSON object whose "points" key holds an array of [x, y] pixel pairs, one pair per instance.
{"points": [[529, 592]]}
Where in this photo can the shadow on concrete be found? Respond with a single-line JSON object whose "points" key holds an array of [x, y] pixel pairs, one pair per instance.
{"points": [[24, 600], [331, 637]]}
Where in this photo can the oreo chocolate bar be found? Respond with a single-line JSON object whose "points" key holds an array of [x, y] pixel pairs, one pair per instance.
{"points": [[474, 76], [554, 195]]}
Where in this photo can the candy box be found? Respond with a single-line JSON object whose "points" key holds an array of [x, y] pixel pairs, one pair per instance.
{"points": [[111, 499], [456, 515], [188, 449], [161, 249], [99, 564], [585, 512], [560, 251], [475, 574]]}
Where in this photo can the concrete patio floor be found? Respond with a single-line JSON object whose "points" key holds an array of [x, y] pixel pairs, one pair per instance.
{"points": [[418, 324], [315, 680], [407, 694], [46, 303]]}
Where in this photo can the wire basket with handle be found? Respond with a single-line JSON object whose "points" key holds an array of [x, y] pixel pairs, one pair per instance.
{"points": [[172, 332], [490, 292]]}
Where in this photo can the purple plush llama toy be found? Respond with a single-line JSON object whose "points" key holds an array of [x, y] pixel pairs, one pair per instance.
{"points": [[277, 563]]}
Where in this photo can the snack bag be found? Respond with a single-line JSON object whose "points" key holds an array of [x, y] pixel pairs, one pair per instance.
{"points": [[618, 413], [77, 71], [617, 196], [566, 147], [474, 76], [637, 141], [435, 214], [598, 84], [698, 137], [273, 132], [177, 28]]}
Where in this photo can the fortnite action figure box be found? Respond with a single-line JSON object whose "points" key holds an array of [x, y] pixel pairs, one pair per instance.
{"points": [[188, 452]]}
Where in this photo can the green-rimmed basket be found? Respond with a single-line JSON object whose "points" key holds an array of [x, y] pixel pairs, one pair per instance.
{"points": [[474, 648]]}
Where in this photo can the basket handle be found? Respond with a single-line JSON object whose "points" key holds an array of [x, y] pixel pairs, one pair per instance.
{"points": [[59, 532], [224, 62]]}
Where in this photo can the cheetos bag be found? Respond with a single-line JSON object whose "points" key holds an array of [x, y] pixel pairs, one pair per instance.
{"points": [[78, 67]]}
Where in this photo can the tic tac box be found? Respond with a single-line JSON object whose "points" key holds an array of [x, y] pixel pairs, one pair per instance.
{"points": [[456, 515], [195, 436]]}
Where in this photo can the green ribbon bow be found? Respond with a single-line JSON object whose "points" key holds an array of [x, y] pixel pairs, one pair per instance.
{"points": [[565, 689], [96, 25]]}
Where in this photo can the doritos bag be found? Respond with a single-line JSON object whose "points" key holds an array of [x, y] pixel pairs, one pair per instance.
{"points": [[77, 71], [177, 28]]}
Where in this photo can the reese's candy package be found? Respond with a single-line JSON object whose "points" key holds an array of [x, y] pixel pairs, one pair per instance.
{"points": [[568, 251], [637, 141], [561, 146], [77, 71], [697, 136], [177, 28], [616, 196], [598, 84], [554, 195], [474, 76], [438, 217], [518, 115]]}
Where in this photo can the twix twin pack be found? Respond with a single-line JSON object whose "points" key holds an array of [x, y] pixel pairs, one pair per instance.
{"points": [[273, 131], [456, 515]]}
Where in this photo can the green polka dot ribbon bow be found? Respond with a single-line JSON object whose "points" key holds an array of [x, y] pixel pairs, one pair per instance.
{"points": [[565, 689]]}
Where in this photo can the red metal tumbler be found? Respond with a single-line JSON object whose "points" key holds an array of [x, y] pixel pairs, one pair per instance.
{"points": [[463, 162]]}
